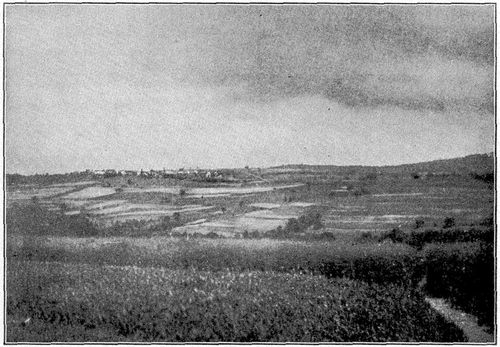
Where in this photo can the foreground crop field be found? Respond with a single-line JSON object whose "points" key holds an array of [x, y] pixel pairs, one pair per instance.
{"points": [[147, 304]]}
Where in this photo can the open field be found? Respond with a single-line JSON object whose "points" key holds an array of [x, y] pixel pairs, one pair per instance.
{"points": [[324, 248]]}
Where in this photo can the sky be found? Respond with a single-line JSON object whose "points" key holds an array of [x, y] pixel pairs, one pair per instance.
{"points": [[220, 86]]}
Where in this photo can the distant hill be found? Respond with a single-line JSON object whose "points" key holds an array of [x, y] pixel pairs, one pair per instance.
{"points": [[476, 163]]}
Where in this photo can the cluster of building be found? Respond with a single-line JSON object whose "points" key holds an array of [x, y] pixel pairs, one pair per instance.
{"points": [[180, 173]]}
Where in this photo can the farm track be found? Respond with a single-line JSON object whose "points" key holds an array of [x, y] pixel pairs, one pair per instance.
{"points": [[466, 322]]}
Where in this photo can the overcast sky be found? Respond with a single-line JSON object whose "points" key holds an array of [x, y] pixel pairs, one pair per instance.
{"points": [[153, 86]]}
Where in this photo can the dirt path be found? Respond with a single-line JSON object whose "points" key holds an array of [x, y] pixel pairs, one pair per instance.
{"points": [[464, 321]]}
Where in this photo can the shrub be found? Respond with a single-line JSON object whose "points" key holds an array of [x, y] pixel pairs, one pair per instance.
{"points": [[366, 236], [488, 221], [293, 226], [465, 274], [419, 222], [448, 222], [486, 177], [301, 224], [395, 235], [361, 191], [325, 236]]}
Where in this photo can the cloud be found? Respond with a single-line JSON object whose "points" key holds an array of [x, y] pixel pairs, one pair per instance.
{"points": [[367, 56], [175, 85]]}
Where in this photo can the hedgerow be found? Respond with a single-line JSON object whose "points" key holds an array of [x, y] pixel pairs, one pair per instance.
{"points": [[465, 274], [419, 239], [145, 304]]}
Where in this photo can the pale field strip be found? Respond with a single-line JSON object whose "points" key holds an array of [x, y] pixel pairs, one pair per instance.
{"points": [[199, 196], [76, 203], [460, 210], [205, 229], [218, 224], [374, 219], [301, 204], [240, 190], [209, 191], [342, 210], [267, 215], [346, 230], [198, 221], [105, 204], [169, 190], [168, 212], [110, 219], [90, 192], [262, 220], [113, 210], [352, 207], [258, 224], [397, 194], [74, 184], [266, 205], [139, 208]]}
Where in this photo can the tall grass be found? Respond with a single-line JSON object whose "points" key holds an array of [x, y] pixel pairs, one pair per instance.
{"points": [[146, 304], [378, 263]]}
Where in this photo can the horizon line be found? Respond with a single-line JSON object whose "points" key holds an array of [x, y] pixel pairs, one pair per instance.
{"points": [[490, 154]]}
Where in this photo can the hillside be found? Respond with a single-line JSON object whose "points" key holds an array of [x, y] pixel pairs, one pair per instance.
{"points": [[476, 163]]}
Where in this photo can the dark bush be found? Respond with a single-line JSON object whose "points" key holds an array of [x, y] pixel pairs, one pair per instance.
{"points": [[487, 177], [395, 235], [301, 224], [419, 222], [366, 236], [448, 222], [488, 221], [361, 191], [325, 236], [293, 226]]}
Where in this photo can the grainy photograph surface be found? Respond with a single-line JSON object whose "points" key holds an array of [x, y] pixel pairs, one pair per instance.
{"points": [[196, 173]]}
